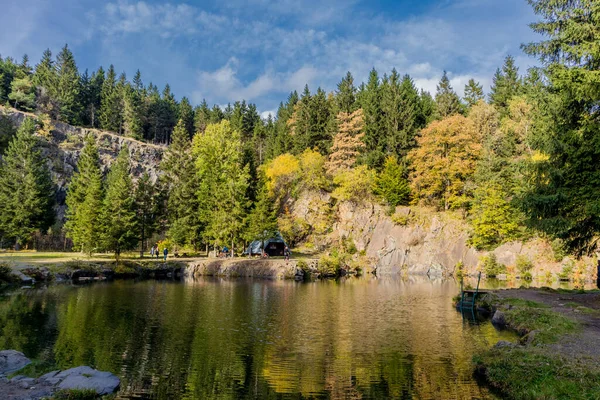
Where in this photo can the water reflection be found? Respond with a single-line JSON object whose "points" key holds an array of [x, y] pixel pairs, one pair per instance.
{"points": [[212, 338]]}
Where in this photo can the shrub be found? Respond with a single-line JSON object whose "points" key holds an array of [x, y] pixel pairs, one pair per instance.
{"points": [[524, 266], [558, 249], [354, 184], [567, 271], [391, 183], [491, 266], [6, 275]]}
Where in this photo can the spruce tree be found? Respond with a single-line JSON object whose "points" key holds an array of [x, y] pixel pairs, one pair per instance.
{"points": [[565, 173], [147, 209], [182, 186], [84, 200], [447, 101], [473, 93], [119, 217], [186, 114], [506, 85], [262, 219], [45, 74], [132, 118], [370, 102], [26, 189], [94, 97], [346, 94], [202, 115], [22, 93], [111, 110], [68, 87], [391, 184]]}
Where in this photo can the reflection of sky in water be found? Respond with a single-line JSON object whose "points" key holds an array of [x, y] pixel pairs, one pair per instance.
{"points": [[211, 338]]}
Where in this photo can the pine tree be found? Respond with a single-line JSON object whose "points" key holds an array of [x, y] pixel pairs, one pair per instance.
{"points": [[132, 115], [22, 93], [26, 189], [428, 107], [8, 70], [202, 115], [473, 93], [564, 172], [347, 143], [506, 84], [119, 217], [147, 209], [391, 184], [370, 102], [7, 131], [182, 185], [447, 101], [94, 97], [186, 114], [68, 87], [262, 219], [84, 200], [111, 110], [346, 94], [45, 74]]}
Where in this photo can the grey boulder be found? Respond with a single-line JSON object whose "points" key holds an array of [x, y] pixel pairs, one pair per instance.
{"points": [[88, 378], [12, 361]]}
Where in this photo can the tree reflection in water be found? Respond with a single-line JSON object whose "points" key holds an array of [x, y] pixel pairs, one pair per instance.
{"points": [[214, 338]]}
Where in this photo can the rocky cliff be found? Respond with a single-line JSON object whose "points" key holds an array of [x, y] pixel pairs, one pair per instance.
{"points": [[422, 241], [63, 147]]}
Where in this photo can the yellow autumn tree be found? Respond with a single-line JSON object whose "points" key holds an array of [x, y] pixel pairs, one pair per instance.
{"points": [[282, 175], [444, 159], [347, 143]]}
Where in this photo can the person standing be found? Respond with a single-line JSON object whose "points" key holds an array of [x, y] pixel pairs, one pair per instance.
{"points": [[286, 253], [152, 252], [165, 253]]}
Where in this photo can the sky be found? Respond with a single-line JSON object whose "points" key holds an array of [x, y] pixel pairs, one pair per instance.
{"points": [[261, 50]]}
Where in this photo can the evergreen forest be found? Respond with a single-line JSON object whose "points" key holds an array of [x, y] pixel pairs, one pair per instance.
{"points": [[520, 161]]}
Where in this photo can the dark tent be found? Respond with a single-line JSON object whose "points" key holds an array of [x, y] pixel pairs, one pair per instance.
{"points": [[273, 246]]}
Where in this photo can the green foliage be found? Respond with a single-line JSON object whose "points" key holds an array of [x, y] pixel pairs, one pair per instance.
{"points": [[506, 84], [547, 324], [566, 273], [22, 93], [7, 131], [75, 394], [493, 219], [119, 217], [447, 101], [26, 189], [181, 182], [558, 249], [262, 219], [563, 198], [223, 182], [524, 266], [391, 183], [491, 267], [84, 200], [473, 93], [6, 275], [354, 184]]}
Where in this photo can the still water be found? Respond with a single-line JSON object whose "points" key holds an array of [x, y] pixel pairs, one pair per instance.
{"points": [[230, 339]]}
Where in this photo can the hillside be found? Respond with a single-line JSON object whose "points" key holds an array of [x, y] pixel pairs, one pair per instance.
{"points": [[62, 150]]}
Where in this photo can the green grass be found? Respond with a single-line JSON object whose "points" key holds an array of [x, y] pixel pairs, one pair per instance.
{"points": [[531, 373], [523, 303], [75, 394], [531, 316], [35, 369]]}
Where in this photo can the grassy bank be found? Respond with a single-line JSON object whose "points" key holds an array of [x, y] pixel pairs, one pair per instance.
{"points": [[554, 359]]}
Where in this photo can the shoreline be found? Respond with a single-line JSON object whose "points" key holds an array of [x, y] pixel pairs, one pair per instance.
{"points": [[557, 356]]}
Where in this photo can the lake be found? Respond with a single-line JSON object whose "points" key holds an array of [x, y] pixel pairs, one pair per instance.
{"points": [[363, 338]]}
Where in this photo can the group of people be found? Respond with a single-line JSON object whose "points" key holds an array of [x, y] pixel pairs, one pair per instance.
{"points": [[155, 251]]}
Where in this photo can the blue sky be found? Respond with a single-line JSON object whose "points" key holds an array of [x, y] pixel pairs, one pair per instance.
{"points": [[260, 50]]}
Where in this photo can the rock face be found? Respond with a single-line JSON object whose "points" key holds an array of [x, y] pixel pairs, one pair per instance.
{"points": [[240, 267], [21, 387], [415, 240], [12, 361], [63, 148]]}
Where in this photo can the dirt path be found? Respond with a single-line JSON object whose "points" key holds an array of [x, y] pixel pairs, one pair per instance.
{"points": [[581, 307]]}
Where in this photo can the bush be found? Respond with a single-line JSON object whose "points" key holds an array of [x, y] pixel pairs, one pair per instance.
{"points": [[524, 266], [391, 184], [559, 250], [354, 184], [567, 271], [75, 394], [6, 275], [491, 266]]}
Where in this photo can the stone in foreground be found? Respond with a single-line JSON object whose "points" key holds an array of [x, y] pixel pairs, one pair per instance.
{"points": [[12, 361], [88, 378]]}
